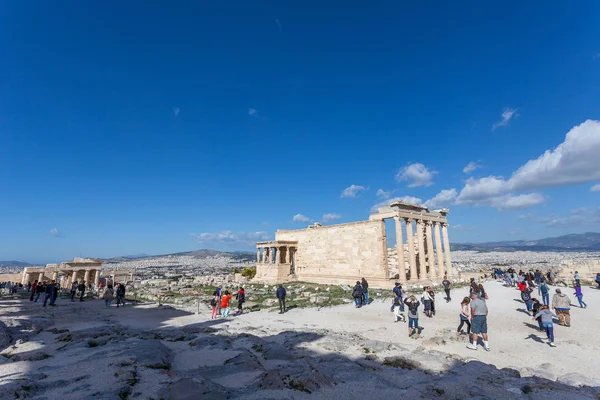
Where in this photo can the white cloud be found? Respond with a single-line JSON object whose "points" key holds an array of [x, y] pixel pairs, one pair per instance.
{"points": [[507, 115], [382, 194], [595, 188], [253, 112], [331, 217], [573, 161], [404, 199], [231, 237], [579, 217], [462, 227], [352, 191], [300, 218], [470, 167], [442, 199], [54, 232], [176, 111], [515, 202], [419, 174]]}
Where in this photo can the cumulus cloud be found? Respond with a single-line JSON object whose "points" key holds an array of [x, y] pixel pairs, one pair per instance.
{"points": [[382, 194], [300, 218], [470, 167], [331, 217], [176, 111], [507, 115], [443, 199], [573, 161], [231, 237], [405, 199], [352, 191], [417, 174], [579, 217], [253, 112], [595, 188], [54, 232]]}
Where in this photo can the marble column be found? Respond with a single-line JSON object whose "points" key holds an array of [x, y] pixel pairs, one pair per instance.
{"points": [[74, 277], [54, 276], [41, 277], [27, 277], [430, 255], [411, 249], [265, 255], [400, 250], [258, 256], [97, 279], [421, 247], [449, 270], [438, 249], [288, 259], [86, 277]]}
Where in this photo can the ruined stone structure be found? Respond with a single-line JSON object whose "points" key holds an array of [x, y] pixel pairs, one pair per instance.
{"points": [[343, 253], [66, 272]]}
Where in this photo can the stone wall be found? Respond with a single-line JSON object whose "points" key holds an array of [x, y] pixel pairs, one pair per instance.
{"points": [[587, 270], [12, 278], [341, 253]]}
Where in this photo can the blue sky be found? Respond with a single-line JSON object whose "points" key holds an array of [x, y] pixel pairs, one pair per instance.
{"points": [[130, 128]]}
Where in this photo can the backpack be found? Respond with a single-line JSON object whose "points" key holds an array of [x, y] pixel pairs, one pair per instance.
{"points": [[213, 302]]}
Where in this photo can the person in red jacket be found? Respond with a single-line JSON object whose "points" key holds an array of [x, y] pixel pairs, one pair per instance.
{"points": [[225, 304], [33, 286], [521, 285]]}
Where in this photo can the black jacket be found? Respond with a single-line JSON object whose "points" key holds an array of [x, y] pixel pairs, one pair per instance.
{"points": [[280, 293], [357, 292], [365, 286]]}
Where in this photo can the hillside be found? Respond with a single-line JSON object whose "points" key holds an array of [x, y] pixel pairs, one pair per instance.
{"points": [[589, 241]]}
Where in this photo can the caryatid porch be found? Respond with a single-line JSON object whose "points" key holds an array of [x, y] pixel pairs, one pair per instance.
{"points": [[425, 261], [275, 260]]}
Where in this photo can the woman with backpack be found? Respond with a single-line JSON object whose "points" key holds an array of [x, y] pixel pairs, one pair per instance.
{"points": [[241, 298], [357, 294], [214, 303], [108, 296]]}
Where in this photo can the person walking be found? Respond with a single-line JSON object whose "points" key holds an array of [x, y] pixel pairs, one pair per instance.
{"points": [[427, 300], [33, 287], [398, 293], [579, 294], [446, 283], [482, 292], [432, 295], [55, 289], [49, 292], [81, 288], [219, 293], [120, 294], [577, 278], [73, 290], [365, 287], [544, 291], [225, 304], [537, 306], [398, 308], [526, 297], [214, 303], [545, 315], [357, 294], [413, 314], [108, 295], [479, 313], [562, 305], [281, 297], [241, 298], [39, 289], [464, 315]]}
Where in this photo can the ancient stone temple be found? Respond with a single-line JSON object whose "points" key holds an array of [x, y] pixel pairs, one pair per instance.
{"points": [[344, 253], [80, 269]]}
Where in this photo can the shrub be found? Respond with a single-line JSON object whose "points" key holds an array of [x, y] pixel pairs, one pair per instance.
{"points": [[249, 272]]}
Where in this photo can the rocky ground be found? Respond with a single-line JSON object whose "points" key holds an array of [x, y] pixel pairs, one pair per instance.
{"points": [[81, 350]]}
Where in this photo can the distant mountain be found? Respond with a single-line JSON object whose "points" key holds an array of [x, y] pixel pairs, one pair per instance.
{"points": [[14, 264], [589, 241], [204, 253]]}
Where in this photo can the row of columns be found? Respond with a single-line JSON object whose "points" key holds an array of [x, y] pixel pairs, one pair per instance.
{"points": [[268, 253], [73, 278], [423, 226]]}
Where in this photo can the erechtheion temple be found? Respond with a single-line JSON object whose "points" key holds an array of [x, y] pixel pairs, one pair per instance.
{"points": [[65, 273], [343, 253]]}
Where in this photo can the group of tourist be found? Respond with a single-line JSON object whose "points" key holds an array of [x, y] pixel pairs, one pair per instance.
{"points": [[11, 287], [360, 293], [109, 294], [220, 302]]}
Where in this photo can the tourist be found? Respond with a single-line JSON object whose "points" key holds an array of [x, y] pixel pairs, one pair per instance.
{"points": [[281, 297], [365, 287], [432, 295], [33, 287], [225, 304], [55, 289], [598, 279], [49, 292], [39, 289], [219, 293], [357, 294], [479, 312], [241, 298], [521, 286], [562, 305], [526, 297], [577, 278], [108, 295], [120, 294], [73, 290], [81, 288], [544, 291], [413, 314], [464, 316], [482, 293], [214, 303], [446, 283], [537, 306], [398, 308], [473, 285], [545, 315], [579, 294], [551, 277], [427, 300]]}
